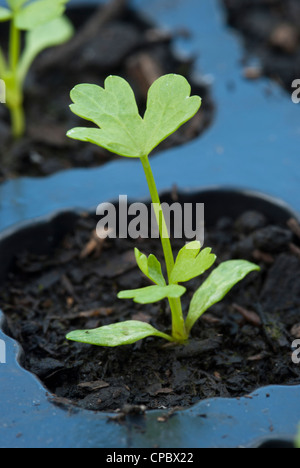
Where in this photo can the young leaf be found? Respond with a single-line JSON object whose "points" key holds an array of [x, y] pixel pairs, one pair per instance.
{"points": [[5, 14], [51, 34], [114, 109], [190, 263], [123, 333], [151, 267], [169, 106], [40, 12], [217, 285], [152, 294], [16, 4]]}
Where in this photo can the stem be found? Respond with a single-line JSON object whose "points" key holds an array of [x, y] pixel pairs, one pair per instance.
{"points": [[17, 120], [166, 245], [178, 326], [15, 95], [14, 47]]}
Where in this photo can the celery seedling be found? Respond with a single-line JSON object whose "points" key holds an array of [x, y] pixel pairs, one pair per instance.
{"points": [[44, 26], [123, 131]]}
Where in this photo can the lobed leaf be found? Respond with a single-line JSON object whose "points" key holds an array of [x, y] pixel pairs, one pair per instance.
{"points": [[114, 110], [152, 294], [190, 263], [216, 286], [118, 334], [38, 13], [105, 106], [51, 34], [151, 267], [169, 106], [16, 4]]}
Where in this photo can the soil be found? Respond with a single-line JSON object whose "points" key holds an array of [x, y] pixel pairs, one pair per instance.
{"points": [[271, 33], [123, 43], [239, 345]]}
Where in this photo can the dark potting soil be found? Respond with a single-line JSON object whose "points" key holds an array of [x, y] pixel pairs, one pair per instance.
{"points": [[240, 344], [271, 33], [123, 43]]}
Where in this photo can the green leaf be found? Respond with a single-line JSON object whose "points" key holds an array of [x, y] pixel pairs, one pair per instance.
{"points": [[152, 294], [169, 106], [151, 267], [51, 34], [5, 14], [190, 263], [122, 130], [16, 4], [114, 109], [123, 333], [38, 13], [217, 285]]}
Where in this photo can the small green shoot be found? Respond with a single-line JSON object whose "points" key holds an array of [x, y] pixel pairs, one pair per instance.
{"points": [[45, 26], [121, 129]]}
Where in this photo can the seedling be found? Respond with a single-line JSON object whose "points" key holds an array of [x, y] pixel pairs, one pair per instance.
{"points": [[44, 26], [123, 131]]}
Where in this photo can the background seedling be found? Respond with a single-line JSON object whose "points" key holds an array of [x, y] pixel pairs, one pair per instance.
{"points": [[122, 130], [44, 26]]}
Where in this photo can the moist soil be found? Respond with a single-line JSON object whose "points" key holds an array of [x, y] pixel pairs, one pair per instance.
{"points": [[271, 34], [239, 345], [121, 43]]}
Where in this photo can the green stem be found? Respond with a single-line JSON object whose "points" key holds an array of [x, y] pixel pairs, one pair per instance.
{"points": [[14, 47], [159, 215], [178, 326], [15, 95], [17, 120]]}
